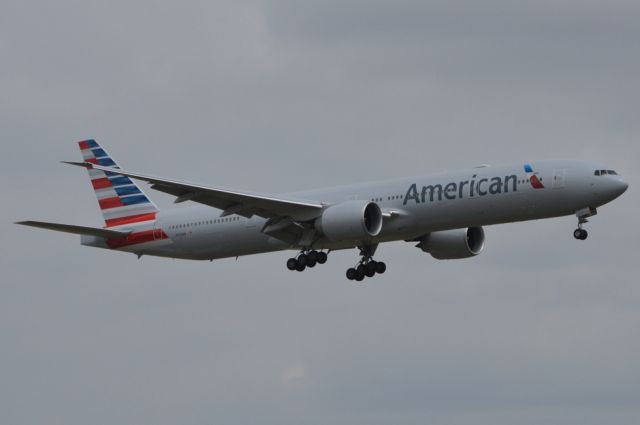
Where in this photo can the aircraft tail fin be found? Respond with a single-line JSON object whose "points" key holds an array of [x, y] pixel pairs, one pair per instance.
{"points": [[120, 199]]}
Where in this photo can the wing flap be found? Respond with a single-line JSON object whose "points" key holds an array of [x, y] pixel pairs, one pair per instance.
{"points": [[78, 230]]}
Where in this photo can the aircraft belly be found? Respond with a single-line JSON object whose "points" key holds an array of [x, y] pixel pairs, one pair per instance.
{"points": [[232, 242]]}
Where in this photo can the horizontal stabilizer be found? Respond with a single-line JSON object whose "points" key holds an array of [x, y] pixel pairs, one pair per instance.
{"points": [[78, 230]]}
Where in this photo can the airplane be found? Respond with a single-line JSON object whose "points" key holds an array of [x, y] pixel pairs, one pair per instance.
{"points": [[444, 214]]}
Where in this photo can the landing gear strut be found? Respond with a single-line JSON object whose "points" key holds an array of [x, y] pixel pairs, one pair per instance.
{"points": [[306, 259], [583, 214], [367, 266]]}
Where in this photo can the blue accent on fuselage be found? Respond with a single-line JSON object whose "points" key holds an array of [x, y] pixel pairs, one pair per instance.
{"points": [[528, 168]]}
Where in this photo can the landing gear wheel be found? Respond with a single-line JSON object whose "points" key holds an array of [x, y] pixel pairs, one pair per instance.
{"points": [[303, 259], [311, 262], [370, 268], [300, 267], [351, 273], [580, 234], [367, 266], [292, 263], [312, 256], [322, 257]]}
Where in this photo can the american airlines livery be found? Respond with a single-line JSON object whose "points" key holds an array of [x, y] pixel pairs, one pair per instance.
{"points": [[442, 213]]}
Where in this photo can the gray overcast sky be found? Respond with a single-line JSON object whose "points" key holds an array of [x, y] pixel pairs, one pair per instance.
{"points": [[285, 95]]}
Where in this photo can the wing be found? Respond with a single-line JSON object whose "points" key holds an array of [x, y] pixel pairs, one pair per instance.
{"points": [[242, 203], [78, 230]]}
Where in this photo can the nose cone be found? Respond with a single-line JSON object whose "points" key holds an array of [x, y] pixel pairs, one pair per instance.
{"points": [[616, 188], [622, 186]]}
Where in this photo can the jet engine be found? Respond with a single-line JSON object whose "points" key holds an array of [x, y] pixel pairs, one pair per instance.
{"points": [[453, 244], [350, 221]]}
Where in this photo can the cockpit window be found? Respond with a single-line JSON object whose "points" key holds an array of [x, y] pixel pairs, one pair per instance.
{"points": [[605, 172]]}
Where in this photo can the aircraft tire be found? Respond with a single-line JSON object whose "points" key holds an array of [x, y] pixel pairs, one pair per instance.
{"points": [[312, 256], [322, 257], [291, 264], [351, 273], [580, 234], [370, 269]]}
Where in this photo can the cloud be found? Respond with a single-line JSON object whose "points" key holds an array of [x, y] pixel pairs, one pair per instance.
{"points": [[294, 374]]}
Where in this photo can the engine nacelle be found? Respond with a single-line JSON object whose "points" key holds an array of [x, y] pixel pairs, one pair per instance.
{"points": [[350, 221], [453, 244]]}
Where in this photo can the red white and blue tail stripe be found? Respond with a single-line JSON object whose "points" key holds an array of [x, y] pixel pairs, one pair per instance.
{"points": [[120, 199]]}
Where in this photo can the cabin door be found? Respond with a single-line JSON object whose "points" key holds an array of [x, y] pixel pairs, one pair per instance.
{"points": [[558, 181]]}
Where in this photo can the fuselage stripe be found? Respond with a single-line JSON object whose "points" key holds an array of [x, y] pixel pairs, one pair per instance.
{"points": [[137, 238]]}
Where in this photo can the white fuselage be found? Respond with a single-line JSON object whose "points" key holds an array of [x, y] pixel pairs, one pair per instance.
{"points": [[415, 206]]}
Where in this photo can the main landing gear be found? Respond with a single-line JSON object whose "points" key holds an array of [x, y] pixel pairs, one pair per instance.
{"points": [[306, 259], [580, 233], [367, 267]]}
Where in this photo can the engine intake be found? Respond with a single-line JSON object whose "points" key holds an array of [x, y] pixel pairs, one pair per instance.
{"points": [[350, 221], [453, 244]]}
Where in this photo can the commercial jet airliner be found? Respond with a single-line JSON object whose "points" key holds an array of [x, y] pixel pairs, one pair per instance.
{"points": [[443, 214]]}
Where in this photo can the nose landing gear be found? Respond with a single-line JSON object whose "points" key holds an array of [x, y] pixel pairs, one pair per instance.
{"points": [[582, 215], [580, 234]]}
